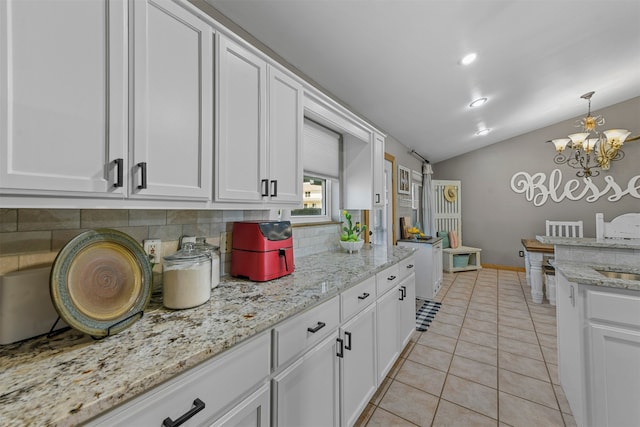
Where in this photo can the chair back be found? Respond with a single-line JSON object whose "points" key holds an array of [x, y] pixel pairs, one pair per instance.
{"points": [[564, 228], [626, 226]]}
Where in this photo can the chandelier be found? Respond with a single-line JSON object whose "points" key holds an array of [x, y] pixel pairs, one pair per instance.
{"points": [[590, 149]]}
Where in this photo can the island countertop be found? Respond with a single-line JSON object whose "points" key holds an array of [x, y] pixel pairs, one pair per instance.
{"points": [[591, 242], [70, 378], [587, 274]]}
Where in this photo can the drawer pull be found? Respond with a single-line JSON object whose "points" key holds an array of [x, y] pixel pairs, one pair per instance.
{"points": [[401, 295], [319, 326], [340, 352], [347, 335], [410, 266], [391, 278], [364, 296], [198, 406]]}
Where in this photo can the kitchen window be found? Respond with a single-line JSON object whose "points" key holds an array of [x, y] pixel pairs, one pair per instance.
{"points": [[321, 163]]}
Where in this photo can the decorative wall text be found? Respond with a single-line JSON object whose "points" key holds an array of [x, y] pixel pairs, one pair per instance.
{"points": [[538, 190]]}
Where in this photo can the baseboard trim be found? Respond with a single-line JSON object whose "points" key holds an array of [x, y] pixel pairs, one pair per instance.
{"points": [[503, 267]]}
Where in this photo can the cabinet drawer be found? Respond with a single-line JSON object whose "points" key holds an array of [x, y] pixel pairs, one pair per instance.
{"points": [[387, 279], [406, 267], [613, 307], [218, 383], [358, 297], [303, 331]]}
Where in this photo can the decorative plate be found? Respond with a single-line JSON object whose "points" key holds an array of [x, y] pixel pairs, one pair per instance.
{"points": [[101, 282]]}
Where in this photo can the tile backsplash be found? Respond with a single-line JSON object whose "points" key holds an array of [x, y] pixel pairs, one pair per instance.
{"points": [[33, 237]]}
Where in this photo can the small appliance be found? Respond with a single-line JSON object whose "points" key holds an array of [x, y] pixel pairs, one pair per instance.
{"points": [[262, 250]]}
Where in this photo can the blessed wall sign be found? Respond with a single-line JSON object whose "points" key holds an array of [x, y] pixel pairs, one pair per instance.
{"points": [[538, 189]]}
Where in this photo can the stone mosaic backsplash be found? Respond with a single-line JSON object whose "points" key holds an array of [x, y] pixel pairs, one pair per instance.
{"points": [[33, 237]]}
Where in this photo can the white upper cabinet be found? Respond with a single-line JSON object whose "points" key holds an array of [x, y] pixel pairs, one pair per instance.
{"points": [[378, 170], [285, 137], [172, 103], [63, 97], [259, 118]]}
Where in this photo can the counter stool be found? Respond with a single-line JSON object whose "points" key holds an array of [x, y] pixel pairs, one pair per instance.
{"points": [[550, 283]]}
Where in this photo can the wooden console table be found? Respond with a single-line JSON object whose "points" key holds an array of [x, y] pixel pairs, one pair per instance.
{"points": [[534, 252]]}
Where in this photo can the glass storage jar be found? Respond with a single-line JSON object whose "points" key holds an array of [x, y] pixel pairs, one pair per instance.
{"points": [[187, 278], [212, 252]]}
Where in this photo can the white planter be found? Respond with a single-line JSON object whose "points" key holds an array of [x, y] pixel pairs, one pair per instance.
{"points": [[352, 246]]}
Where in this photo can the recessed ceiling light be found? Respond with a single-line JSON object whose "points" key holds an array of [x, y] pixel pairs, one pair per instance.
{"points": [[468, 59], [478, 102], [483, 132]]}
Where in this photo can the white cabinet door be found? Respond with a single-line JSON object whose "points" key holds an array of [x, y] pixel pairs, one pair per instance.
{"points": [[254, 411], [570, 345], [358, 375], [62, 96], [436, 265], [241, 114], [378, 171], [285, 138], [615, 384], [407, 309], [387, 319], [172, 102], [307, 392]]}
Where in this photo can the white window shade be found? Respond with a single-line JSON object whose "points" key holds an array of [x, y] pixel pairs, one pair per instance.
{"points": [[321, 150]]}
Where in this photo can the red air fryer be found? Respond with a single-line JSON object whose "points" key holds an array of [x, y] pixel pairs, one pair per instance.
{"points": [[262, 250]]}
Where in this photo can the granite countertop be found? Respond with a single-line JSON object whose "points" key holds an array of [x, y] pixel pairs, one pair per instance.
{"points": [[586, 274], [591, 242], [70, 378]]}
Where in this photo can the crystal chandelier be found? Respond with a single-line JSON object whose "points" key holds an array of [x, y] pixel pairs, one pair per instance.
{"points": [[590, 149]]}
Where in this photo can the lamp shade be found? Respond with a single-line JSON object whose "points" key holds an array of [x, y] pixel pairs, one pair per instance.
{"points": [[577, 139], [616, 137], [590, 144], [560, 143]]}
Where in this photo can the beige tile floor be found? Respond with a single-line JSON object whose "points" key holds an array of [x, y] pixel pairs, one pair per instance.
{"points": [[489, 358]]}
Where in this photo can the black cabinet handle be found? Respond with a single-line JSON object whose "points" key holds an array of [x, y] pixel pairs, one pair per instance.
{"points": [[377, 197], [340, 352], [401, 295], [404, 291], [274, 188], [143, 171], [391, 278], [319, 326], [347, 335], [198, 406], [410, 266], [364, 296], [265, 187], [118, 182]]}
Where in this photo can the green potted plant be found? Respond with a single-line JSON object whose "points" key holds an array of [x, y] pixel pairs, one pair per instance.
{"points": [[351, 237]]}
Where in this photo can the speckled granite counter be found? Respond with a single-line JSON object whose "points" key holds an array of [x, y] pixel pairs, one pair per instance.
{"points": [[590, 242], [71, 378], [586, 274]]}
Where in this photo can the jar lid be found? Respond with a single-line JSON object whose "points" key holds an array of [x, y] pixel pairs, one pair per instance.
{"points": [[201, 243], [189, 252]]}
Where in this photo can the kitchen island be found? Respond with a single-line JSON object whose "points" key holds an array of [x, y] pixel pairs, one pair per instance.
{"points": [[598, 321], [71, 378]]}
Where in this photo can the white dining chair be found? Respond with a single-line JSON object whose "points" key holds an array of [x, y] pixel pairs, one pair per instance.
{"points": [[564, 228]]}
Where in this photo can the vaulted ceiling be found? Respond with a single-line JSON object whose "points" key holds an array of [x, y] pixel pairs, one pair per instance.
{"points": [[397, 62]]}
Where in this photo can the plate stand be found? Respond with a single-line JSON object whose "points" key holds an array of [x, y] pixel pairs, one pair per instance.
{"points": [[59, 331]]}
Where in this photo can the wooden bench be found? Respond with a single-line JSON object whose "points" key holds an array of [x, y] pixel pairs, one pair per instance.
{"points": [[474, 258]]}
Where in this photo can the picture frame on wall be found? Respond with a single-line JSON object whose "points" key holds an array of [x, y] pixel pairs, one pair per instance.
{"points": [[404, 180]]}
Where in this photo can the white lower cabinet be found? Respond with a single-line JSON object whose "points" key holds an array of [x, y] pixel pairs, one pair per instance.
{"points": [[254, 411], [387, 318], [358, 377], [202, 394], [407, 302], [598, 353], [307, 392]]}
